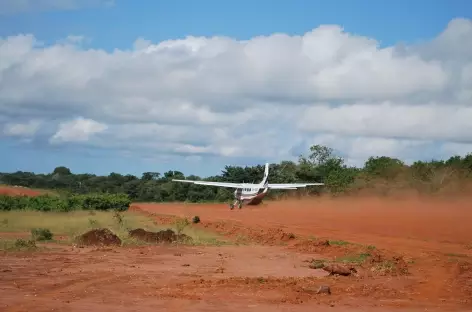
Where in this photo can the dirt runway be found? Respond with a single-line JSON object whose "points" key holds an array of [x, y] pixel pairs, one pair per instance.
{"points": [[412, 225], [420, 259]]}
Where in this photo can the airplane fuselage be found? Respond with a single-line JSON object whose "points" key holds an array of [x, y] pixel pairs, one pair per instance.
{"points": [[251, 196]]}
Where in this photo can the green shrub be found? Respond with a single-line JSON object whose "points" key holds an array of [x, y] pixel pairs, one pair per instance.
{"points": [[40, 234], [8, 203], [25, 244], [119, 202], [47, 203]]}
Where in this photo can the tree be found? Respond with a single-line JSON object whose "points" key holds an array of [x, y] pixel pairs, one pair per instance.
{"points": [[322, 165], [383, 167], [148, 176], [61, 170]]}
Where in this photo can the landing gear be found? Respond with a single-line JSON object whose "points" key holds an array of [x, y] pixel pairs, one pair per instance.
{"points": [[237, 199], [236, 203]]}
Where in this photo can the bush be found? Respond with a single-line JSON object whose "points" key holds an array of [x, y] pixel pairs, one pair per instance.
{"points": [[25, 244], [119, 202], [47, 203], [39, 234], [8, 203], [39, 203], [180, 224]]}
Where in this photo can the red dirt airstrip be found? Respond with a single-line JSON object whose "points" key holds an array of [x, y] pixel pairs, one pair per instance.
{"points": [[427, 242], [18, 191], [413, 225]]}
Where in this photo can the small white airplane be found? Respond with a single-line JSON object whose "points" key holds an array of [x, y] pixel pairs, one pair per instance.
{"points": [[251, 193]]}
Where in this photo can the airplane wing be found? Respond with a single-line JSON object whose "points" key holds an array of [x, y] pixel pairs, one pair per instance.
{"points": [[221, 184], [286, 186], [290, 186]]}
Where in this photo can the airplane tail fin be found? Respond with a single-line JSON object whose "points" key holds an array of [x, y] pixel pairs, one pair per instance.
{"points": [[266, 175]]}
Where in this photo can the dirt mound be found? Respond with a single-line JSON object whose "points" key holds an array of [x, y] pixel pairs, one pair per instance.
{"points": [[339, 269], [99, 237], [387, 264], [166, 236]]}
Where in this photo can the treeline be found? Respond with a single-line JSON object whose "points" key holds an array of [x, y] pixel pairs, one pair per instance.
{"points": [[379, 175]]}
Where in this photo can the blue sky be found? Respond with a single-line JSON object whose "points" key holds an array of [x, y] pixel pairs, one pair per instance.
{"points": [[410, 23], [118, 26]]}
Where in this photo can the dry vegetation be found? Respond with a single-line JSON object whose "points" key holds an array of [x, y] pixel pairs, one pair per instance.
{"points": [[66, 227]]}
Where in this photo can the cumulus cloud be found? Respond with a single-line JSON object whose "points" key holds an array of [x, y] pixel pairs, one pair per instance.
{"points": [[77, 130], [432, 121], [263, 98], [21, 6]]}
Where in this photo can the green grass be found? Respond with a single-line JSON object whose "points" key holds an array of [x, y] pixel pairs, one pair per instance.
{"points": [[201, 237], [456, 255], [338, 242], [74, 223], [71, 223], [354, 259]]}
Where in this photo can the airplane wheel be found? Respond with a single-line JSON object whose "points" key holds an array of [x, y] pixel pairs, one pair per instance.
{"points": [[240, 205], [231, 206]]}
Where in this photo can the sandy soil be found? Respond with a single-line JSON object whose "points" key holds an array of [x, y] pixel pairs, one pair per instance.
{"points": [[271, 273]]}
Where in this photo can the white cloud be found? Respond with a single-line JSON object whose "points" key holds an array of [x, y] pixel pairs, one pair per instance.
{"points": [[27, 129], [432, 121], [77, 130], [257, 98], [21, 6]]}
